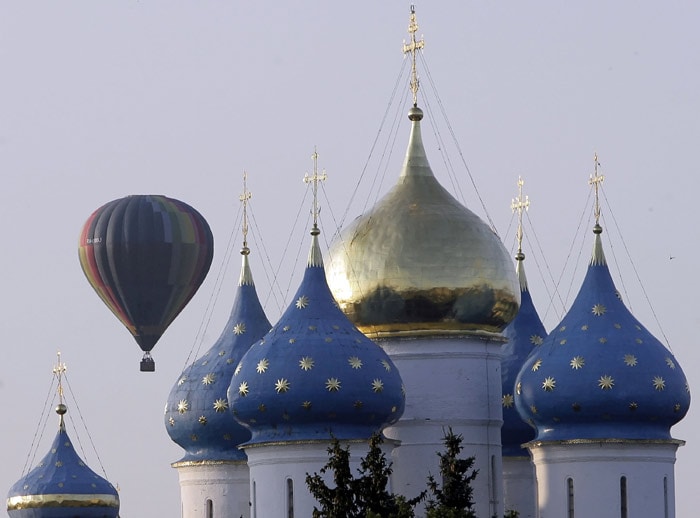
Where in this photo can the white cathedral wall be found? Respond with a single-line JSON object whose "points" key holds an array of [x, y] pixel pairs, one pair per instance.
{"points": [[450, 382], [225, 484], [596, 470], [272, 465], [520, 486]]}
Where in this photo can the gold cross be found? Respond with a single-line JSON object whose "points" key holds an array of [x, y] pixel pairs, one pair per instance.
{"points": [[595, 180], [315, 178], [59, 369], [520, 204], [244, 198], [413, 48]]}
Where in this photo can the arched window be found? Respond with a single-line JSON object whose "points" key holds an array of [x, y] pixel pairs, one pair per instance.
{"points": [[570, 497], [290, 498], [255, 502], [665, 497], [623, 497], [209, 509]]}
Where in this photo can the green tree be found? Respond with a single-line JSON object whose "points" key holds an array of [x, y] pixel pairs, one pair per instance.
{"points": [[363, 497], [453, 497]]}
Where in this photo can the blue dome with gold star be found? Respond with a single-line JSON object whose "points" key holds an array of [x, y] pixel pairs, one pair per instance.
{"points": [[62, 486], [197, 415], [601, 374], [525, 333], [315, 375]]}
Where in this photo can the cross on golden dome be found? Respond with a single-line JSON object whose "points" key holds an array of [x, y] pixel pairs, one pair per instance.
{"points": [[413, 47]]}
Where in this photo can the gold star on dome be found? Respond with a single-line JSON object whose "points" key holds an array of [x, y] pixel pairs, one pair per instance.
{"points": [[508, 401], [336, 326], [549, 384], [638, 340], [603, 340], [282, 385], [208, 379], [333, 384], [229, 361], [59, 464], [670, 363], [262, 407], [181, 381], [357, 404], [617, 326], [312, 328], [518, 388], [677, 407], [536, 366], [377, 385], [202, 420], [306, 405], [239, 328], [306, 363], [606, 382], [637, 326], [630, 360], [355, 362], [387, 365], [204, 363], [262, 365], [292, 340], [302, 302], [533, 409], [599, 310], [633, 406], [243, 389], [659, 383], [183, 406], [221, 353], [194, 437], [171, 421], [328, 339], [562, 341], [536, 340], [584, 327], [577, 362], [238, 369], [285, 328], [562, 328], [220, 405]]}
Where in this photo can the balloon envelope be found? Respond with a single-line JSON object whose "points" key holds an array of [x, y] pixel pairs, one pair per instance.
{"points": [[146, 256]]}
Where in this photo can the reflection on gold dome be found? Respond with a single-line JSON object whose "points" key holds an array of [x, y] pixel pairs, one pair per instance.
{"points": [[420, 262]]}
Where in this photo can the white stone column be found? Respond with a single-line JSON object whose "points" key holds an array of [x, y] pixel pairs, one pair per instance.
{"points": [[224, 483], [520, 486]]}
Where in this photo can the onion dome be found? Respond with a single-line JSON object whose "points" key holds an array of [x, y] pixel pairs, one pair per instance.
{"points": [[419, 262], [197, 415], [62, 485], [315, 374], [524, 334], [601, 374]]}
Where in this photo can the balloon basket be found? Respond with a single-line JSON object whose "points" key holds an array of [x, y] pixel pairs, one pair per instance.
{"points": [[148, 364]]}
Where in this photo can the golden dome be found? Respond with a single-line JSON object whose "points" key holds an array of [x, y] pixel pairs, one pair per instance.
{"points": [[420, 262]]}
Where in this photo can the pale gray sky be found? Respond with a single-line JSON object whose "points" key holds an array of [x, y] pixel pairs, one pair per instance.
{"points": [[103, 99]]}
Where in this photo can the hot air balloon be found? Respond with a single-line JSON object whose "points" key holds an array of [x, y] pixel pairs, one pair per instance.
{"points": [[146, 256]]}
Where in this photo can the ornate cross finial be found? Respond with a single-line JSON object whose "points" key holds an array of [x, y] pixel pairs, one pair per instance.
{"points": [[595, 180], [315, 178], [413, 47], [520, 204], [244, 199], [59, 369]]}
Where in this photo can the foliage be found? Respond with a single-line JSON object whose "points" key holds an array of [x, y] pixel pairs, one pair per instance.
{"points": [[452, 498], [363, 497]]}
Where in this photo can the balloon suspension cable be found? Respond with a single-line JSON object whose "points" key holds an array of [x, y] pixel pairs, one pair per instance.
{"points": [[413, 47], [314, 179], [59, 370], [595, 180], [520, 204], [247, 195]]}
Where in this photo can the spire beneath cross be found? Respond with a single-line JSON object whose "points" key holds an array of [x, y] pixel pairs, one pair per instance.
{"points": [[520, 204], [245, 197], [314, 179], [413, 47], [595, 180]]}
